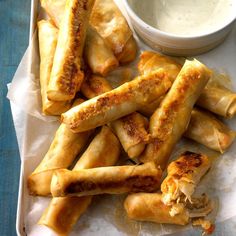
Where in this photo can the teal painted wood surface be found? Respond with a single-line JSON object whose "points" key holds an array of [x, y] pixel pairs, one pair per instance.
{"points": [[14, 31]]}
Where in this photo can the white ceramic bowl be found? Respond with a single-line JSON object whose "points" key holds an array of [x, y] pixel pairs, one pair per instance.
{"points": [[173, 44]]}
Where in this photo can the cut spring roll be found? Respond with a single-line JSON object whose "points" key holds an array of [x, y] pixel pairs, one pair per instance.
{"points": [[48, 34], [109, 22], [132, 133], [117, 103], [62, 213], [111, 180], [66, 77], [131, 129], [149, 207], [206, 129], [170, 120], [218, 99], [95, 85], [64, 148], [183, 175], [215, 97], [98, 55]]}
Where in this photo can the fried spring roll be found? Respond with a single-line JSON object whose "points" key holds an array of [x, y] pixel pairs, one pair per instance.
{"points": [[62, 213], [131, 129], [183, 175], [149, 207], [64, 148], [48, 34], [109, 22], [218, 99], [215, 97], [95, 85], [117, 103], [170, 120], [98, 55], [66, 77], [129, 51], [132, 133], [150, 61], [206, 129], [112, 180]]}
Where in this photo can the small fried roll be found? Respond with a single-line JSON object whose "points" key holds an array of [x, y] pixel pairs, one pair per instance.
{"points": [[66, 77], [149, 207], [48, 34], [112, 180], [170, 120], [109, 22], [63, 213], [98, 55], [183, 175], [64, 148], [132, 133], [117, 103], [206, 129]]}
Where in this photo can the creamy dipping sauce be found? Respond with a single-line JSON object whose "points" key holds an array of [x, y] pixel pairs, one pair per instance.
{"points": [[185, 17]]}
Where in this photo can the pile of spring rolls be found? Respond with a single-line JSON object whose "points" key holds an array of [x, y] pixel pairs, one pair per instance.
{"points": [[81, 43]]}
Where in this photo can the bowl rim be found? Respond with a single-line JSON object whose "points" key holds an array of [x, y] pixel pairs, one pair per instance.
{"points": [[136, 17]]}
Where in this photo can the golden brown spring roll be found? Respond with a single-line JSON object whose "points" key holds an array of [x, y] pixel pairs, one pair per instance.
{"points": [[55, 9], [117, 103], [109, 22], [129, 51], [183, 175], [98, 55], [66, 77], [170, 120], [206, 129], [112, 180], [64, 148], [63, 213], [149, 207], [132, 133], [215, 97], [150, 61], [218, 99], [48, 34], [131, 129]]}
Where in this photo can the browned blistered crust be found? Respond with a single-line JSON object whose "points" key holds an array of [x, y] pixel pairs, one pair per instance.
{"points": [[67, 75]]}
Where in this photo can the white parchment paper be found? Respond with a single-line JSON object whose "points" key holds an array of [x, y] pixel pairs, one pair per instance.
{"points": [[106, 215]]}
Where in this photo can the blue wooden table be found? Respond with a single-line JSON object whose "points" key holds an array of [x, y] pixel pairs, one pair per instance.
{"points": [[14, 31]]}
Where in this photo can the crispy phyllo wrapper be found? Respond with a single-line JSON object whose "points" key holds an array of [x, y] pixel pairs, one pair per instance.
{"points": [[150, 61], [218, 99], [95, 85], [64, 148], [170, 120], [111, 180], [109, 22], [132, 133], [149, 207], [98, 55], [67, 76], [63, 213], [129, 51], [117, 103], [206, 129], [48, 34], [183, 175]]}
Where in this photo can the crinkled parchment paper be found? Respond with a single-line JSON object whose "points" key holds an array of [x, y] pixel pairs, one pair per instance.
{"points": [[106, 216]]}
